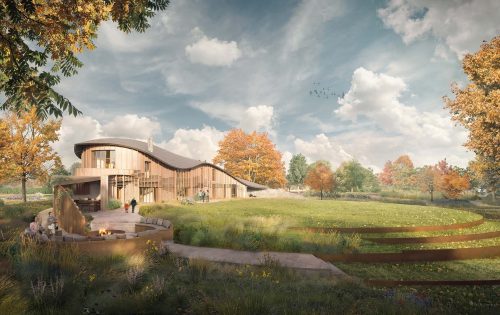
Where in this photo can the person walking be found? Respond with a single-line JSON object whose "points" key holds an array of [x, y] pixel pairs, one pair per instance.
{"points": [[133, 203]]}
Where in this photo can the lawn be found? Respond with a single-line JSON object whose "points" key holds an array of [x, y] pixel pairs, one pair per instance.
{"points": [[263, 224], [310, 213]]}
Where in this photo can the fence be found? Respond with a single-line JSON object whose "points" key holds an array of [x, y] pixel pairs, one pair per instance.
{"points": [[69, 216]]}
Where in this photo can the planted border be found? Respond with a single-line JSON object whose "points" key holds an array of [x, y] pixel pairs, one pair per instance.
{"points": [[391, 229], [434, 239], [416, 255]]}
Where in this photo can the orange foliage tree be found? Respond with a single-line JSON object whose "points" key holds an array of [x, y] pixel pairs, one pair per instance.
{"points": [[476, 107], [450, 182], [320, 177], [386, 177], [28, 148], [252, 157], [400, 173]]}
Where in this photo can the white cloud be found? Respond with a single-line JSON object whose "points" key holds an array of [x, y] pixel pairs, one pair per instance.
{"points": [[398, 128], [213, 52], [322, 147], [286, 157], [201, 144], [253, 118], [257, 118], [461, 24], [131, 126], [377, 98], [74, 130]]}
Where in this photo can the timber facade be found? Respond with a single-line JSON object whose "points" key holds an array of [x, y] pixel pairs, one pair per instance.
{"points": [[123, 169]]}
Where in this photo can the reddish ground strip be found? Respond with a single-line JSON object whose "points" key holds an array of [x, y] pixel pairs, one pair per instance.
{"points": [[435, 239], [391, 229], [416, 255], [393, 283]]}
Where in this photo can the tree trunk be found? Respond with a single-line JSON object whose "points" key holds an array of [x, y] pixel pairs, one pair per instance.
{"points": [[23, 188], [432, 195], [321, 194]]}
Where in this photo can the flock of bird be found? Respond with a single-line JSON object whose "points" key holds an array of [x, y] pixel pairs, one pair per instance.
{"points": [[324, 92]]}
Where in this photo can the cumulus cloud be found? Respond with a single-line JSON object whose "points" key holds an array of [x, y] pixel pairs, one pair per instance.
{"points": [[322, 147], [74, 130], [376, 97], [131, 126], [461, 24], [201, 144], [253, 118], [213, 52], [257, 118]]}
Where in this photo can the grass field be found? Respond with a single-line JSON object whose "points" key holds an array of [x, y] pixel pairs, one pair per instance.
{"points": [[307, 213], [164, 284], [264, 224]]}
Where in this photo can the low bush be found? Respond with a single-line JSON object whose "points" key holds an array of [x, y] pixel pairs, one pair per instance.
{"points": [[114, 204]]}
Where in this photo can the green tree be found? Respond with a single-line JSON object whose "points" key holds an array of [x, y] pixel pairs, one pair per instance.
{"points": [[39, 41], [297, 170], [351, 176]]}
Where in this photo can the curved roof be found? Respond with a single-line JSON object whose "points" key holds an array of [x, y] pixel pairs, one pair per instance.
{"points": [[166, 157]]}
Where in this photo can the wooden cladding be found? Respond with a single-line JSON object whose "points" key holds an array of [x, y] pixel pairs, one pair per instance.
{"points": [[154, 181]]}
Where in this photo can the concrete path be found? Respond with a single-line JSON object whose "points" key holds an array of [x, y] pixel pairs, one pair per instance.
{"points": [[290, 260]]}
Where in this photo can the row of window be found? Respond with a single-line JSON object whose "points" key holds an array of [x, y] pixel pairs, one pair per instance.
{"points": [[107, 159]]}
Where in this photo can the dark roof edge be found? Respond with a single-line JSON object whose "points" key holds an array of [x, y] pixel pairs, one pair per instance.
{"points": [[78, 149]]}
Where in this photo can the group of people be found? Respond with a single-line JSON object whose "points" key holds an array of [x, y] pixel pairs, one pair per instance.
{"points": [[132, 203], [37, 232], [203, 195]]}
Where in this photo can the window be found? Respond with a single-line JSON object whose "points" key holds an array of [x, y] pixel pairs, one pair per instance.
{"points": [[103, 159]]}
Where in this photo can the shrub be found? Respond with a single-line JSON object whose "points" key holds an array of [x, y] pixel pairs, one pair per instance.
{"points": [[114, 204], [2, 203]]}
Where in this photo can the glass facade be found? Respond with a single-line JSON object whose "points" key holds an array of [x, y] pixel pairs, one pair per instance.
{"points": [[103, 159]]}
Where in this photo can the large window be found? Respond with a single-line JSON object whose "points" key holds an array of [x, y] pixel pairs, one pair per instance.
{"points": [[103, 159]]}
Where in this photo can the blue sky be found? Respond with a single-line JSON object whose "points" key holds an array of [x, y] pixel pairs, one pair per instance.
{"points": [[205, 67]]}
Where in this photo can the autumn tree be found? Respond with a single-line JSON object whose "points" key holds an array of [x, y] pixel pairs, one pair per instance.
{"points": [[404, 172], [297, 170], [476, 107], [29, 151], [39, 41], [427, 178], [450, 182], [320, 177], [252, 157], [386, 177]]}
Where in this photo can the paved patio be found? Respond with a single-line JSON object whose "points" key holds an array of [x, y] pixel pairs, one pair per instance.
{"points": [[116, 216]]}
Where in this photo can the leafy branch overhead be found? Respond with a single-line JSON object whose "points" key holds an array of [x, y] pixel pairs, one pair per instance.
{"points": [[39, 41]]}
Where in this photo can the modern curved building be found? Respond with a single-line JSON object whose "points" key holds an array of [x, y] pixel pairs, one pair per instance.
{"points": [[122, 169]]}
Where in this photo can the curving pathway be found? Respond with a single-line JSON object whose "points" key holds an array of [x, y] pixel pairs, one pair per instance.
{"points": [[290, 260]]}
